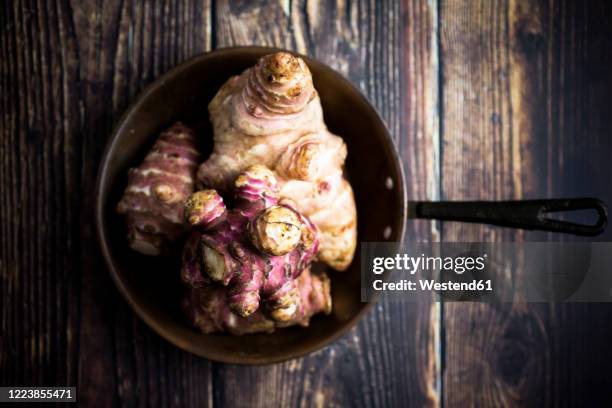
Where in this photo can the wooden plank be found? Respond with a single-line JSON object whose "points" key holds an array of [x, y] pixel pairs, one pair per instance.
{"points": [[38, 211], [478, 162], [388, 50], [565, 49], [523, 113], [139, 41], [68, 72]]}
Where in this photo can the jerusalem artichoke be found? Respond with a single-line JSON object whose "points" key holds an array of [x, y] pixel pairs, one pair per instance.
{"points": [[153, 200], [257, 248], [271, 114], [207, 307]]}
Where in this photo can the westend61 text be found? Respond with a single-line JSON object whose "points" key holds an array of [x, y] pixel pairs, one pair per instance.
{"points": [[430, 284]]}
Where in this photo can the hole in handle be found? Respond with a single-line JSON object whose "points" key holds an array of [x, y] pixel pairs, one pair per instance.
{"points": [[581, 216]]}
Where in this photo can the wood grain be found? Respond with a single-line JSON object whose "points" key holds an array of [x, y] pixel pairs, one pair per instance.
{"points": [[394, 64], [522, 118], [486, 99], [68, 72], [126, 45], [565, 47], [479, 161], [69, 69], [39, 210]]}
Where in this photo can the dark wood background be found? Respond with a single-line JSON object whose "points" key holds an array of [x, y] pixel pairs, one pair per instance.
{"points": [[485, 99]]}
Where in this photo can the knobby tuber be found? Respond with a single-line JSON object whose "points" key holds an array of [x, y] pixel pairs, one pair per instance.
{"points": [[247, 267], [153, 202], [257, 249], [207, 307], [271, 115]]}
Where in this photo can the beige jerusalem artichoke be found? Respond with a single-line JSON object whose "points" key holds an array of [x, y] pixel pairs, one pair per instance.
{"points": [[271, 115]]}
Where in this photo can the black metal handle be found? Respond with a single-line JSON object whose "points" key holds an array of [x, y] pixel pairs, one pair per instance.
{"points": [[528, 214]]}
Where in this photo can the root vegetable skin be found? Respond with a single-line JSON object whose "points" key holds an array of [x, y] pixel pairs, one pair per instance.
{"points": [[271, 115], [153, 200], [207, 308], [257, 249]]}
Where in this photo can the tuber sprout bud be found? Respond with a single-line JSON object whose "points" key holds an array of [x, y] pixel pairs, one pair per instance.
{"points": [[282, 67], [257, 183], [284, 314], [244, 303], [205, 209], [276, 231], [214, 262], [165, 193], [304, 161]]}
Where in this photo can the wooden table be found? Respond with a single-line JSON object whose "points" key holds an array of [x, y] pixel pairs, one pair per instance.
{"points": [[485, 100]]}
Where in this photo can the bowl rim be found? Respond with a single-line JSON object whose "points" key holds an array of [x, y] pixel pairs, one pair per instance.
{"points": [[101, 229]]}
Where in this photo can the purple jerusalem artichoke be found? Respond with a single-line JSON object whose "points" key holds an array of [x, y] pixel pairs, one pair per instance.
{"points": [[207, 307], [153, 202], [257, 249]]}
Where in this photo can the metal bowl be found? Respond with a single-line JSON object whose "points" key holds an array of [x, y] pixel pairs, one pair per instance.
{"points": [[151, 285]]}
